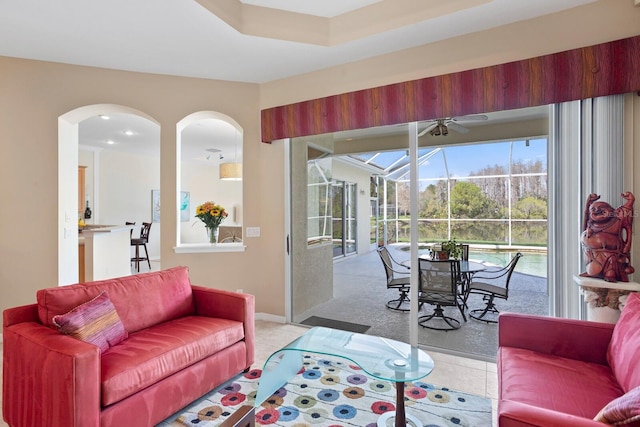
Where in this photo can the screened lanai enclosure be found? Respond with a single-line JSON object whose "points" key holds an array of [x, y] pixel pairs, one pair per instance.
{"points": [[489, 194], [513, 183]]}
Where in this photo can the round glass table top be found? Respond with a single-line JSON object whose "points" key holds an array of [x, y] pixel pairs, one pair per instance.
{"points": [[381, 358]]}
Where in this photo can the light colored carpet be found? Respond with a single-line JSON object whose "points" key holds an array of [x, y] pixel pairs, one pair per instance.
{"points": [[330, 391]]}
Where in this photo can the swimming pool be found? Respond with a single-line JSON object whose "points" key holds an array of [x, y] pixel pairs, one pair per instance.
{"points": [[533, 262]]}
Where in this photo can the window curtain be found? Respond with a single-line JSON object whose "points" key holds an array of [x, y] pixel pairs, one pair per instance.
{"points": [[586, 151]]}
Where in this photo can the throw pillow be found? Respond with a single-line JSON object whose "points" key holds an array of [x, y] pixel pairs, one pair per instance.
{"points": [[96, 322], [622, 353], [623, 410]]}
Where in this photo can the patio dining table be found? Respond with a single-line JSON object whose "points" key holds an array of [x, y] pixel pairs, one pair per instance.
{"points": [[467, 270], [467, 267]]}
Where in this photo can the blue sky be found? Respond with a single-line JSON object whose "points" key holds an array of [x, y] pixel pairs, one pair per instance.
{"points": [[463, 159]]}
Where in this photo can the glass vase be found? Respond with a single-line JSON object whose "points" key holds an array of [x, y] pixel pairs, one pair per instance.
{"points": [[212, 233]]}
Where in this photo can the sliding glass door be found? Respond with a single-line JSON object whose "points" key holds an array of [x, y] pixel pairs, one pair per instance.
{"points": [[344, 218]]}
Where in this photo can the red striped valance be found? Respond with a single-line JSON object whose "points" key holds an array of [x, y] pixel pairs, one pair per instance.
{"points": [[604, 69]]}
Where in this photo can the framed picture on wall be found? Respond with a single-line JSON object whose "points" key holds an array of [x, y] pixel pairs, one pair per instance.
{"points": [[155, 205], [184, 205]]}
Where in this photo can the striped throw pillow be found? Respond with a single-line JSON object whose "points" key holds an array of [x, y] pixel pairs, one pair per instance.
{"points": [[623, 410], [96, 322]]}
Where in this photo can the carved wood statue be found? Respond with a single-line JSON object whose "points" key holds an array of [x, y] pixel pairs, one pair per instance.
{"points": [[606, 239]]}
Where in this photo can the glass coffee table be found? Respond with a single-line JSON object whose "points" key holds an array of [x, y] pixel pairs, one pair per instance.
{"points": [[381, 358]]}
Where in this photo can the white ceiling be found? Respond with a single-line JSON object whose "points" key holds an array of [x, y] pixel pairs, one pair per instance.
{"points": [[208, 140], [181, 37], [324, 8]]}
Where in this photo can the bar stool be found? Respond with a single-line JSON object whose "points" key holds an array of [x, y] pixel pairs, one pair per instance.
{"points": [[141, 241], [130, 231]]}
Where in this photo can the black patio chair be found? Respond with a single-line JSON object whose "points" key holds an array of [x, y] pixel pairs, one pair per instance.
{"points": [[397, 278], [491, 284], [439, 287]]}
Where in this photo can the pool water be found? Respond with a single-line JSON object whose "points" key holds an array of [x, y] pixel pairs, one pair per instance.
{"points": [[532, 262]]}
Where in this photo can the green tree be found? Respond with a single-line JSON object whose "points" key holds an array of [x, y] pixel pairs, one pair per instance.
{"points": [[433, 201], [404, 199], [530, 208], [468, 201]]}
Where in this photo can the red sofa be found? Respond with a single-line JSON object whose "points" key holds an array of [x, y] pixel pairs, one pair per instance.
{"points": [[182, 341], [562, 372]]}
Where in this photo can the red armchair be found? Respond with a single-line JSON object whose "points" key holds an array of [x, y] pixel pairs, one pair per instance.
{"points": [[563, 372]]}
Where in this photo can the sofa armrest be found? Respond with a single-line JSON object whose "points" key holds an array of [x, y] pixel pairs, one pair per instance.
{"points": [[23, 313], [49, 379], [223, 304], [516, 414], [574, 339]]}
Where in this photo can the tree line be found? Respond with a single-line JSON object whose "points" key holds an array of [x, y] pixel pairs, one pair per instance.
{"points": [[484, 194]]}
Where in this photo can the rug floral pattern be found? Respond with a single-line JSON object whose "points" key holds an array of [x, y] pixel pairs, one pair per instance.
{"points": [[332, 392]]}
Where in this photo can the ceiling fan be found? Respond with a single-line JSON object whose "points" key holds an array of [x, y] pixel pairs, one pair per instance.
{"points": [[441, 126]]}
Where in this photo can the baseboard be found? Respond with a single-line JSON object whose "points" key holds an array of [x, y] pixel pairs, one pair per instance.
{"points": [[271, 318]]}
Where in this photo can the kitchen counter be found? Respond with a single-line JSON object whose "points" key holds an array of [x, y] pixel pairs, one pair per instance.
{"points": [[107, 251]]}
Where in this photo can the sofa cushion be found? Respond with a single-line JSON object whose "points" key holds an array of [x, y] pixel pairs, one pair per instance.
{"points": [[142, 300], [155, 353], [96, 322], [623, 410], [556, 383], [622, 353]]}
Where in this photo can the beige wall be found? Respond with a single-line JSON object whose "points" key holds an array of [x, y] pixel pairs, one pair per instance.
{"points": [[311, 266], [598, 22], [34, 94]]}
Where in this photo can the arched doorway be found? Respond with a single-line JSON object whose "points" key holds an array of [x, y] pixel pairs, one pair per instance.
{"points": [[68, 140]]}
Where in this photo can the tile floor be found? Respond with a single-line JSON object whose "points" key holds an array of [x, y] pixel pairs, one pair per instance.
{"points": [[468, 375]]}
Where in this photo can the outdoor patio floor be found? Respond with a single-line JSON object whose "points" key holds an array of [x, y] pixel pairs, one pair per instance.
{"points": [[360, 295]]}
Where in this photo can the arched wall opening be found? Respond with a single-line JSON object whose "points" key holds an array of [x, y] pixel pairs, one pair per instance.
{"points": [[205, 141], [68, 140]]}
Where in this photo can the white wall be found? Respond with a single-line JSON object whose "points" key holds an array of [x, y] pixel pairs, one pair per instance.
{"points": [[203, 184], [349, 173], [124, 194], [126, 181]]}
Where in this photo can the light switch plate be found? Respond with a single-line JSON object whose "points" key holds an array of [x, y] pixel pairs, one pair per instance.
{"points": [[253, 231]]}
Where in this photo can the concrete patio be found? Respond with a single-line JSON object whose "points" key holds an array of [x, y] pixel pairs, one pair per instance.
{"points": [[360, 295]]}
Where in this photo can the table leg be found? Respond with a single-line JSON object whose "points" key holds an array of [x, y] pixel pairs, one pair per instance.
{"points": [[401, 420]]}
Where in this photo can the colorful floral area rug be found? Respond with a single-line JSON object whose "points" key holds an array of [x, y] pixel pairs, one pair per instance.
{"points": [[332, 392]]}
